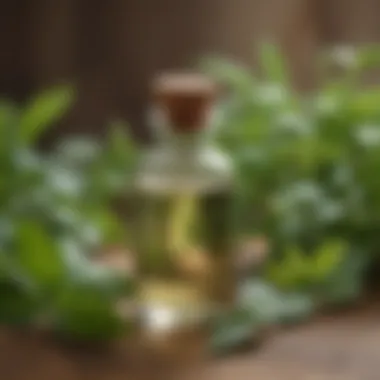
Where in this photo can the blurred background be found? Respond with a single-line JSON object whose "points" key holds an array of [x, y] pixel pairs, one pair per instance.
{"points": [[111, 49]]}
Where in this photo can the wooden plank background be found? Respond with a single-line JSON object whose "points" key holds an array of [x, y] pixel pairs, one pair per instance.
{"points": [[110, 49]]}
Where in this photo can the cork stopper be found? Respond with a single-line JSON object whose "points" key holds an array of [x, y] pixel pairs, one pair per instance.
{"points": [[185, 98]]}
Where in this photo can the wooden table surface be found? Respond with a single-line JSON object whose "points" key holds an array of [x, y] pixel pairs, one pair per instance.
{"points": [[330, 348]]}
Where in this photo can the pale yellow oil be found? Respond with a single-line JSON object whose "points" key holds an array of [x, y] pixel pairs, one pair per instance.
{"points": [[183, 249]]}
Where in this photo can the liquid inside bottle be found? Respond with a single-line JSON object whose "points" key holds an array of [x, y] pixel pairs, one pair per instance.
{"points": [[183, 244]]}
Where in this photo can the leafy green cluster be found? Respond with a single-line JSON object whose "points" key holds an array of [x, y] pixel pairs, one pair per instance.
{"points": [[54, 213], [307, 163], [307, 167]]}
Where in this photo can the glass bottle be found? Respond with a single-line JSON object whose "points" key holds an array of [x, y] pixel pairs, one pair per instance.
{"points": [[183, 193]]}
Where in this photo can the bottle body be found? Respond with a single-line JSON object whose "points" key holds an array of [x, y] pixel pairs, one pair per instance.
{"points": [[182, 235]]}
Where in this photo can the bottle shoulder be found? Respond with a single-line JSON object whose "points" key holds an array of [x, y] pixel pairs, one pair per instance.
{"points": [[210, 158], [207, 167]]}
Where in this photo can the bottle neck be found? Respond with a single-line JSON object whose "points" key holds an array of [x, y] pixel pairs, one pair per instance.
{"points": [[180, 139], [186, 142]]}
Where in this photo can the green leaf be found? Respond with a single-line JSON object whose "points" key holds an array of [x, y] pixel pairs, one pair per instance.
{"points": [[259, 305], [295, 308], [327, 258], [291, 271], [112, 228], [347, 281], [273, 65], [43, 111], [120, 144], [81, 313], [102, 280], [78, 152], [268, 306], [86, 305], [67, 183], [261, 299], [114, 167], [18, 305], [9, 115], [38, 255], [233, 330], [237, 77], [369, 57]]}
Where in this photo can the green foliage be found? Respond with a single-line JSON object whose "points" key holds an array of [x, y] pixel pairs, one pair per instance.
{"points": [[307, 164], [345, 284], [273, 65], [270, 306], [260, 305], [299, 269], [233, 330], [54, 214], [37, 253], [44, 110], [84, 306], [308, 176]]}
